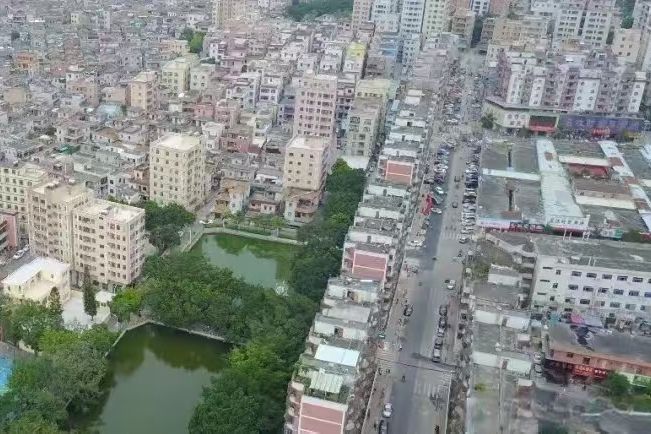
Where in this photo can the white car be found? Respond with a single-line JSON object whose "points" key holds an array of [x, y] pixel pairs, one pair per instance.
{"points": [[387, 411], [439, 190], [19, 254]]}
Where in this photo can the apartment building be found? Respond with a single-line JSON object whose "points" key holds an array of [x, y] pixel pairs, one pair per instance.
{"points": [[306, 163], [480, 7], [586, 82], [385, 16], [607, 278], [437, 17], [626, 45], [143, 91], [586, 21], [109, 242], [50, 210], [411, 26], [364, 121], [508, 30], [462, 24], [361, 13], [15, 182], [175, 74], [178, 171], [200, 76], [316, 99], [224, 11]]}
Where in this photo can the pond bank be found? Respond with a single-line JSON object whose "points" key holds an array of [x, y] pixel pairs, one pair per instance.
{"points": [[216, 230]]}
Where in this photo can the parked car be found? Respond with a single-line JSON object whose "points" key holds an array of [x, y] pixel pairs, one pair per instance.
{"points": [[455, 204], [440, 332], [439, 190], [443, 321], [436, 356], [19, 254], [463, 240], [388, 410], [452, 284], [383, 427], [409, 309], [443, 310]]}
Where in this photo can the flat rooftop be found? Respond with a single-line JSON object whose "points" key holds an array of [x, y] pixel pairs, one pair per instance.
{"points": [[520, 154], [112, 210], [600, 342], [617, 255], [31, 269], [178, 142], [493, 199], [308, 142]]}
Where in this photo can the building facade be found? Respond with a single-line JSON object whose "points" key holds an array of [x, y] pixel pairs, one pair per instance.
{"points": [[178, 171], [306, 163], [316, 100]]}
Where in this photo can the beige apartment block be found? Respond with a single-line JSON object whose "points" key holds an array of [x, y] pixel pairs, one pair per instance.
{"points": [[200, 76], [109, 242], [361, 12], [175, 74], [143, 91], [306, 162], [50, 209], [314, 113], [15, 182], [224, 11], [178, 171], [363, 125]]}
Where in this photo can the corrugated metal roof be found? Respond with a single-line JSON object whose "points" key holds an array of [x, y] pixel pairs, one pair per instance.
{"points": [[330, 383], [340, 356]]}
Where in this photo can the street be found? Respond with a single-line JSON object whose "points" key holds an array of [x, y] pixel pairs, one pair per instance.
{"points": [[420, 401]]}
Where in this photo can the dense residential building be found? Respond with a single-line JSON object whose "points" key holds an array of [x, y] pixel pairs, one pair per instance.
{"points": [[437, 17], [316, 100], [178, 171], [586, 21], [144, 92], [15, 182], [411, 27], [385, 16], [225, 11], [175, 74], [361, 12], [364, 121], [109, 242], [50, 216], [306, 162]]}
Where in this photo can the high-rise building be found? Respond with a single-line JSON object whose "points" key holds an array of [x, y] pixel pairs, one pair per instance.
{"points": [[306, 163], [109, 242], [385, 16], [361, 12], [585, 21], [411, 28], [437, 17], [178, 171], [143, 91], [226, 10], [15, 182], [314, 112], [50, 210]]}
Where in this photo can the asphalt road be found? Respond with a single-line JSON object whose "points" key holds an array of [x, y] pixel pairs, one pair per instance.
{"points": [[420, 401]]}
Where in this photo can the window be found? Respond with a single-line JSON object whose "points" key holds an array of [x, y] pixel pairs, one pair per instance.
{"points": [[630, 307], [584, 301], [573, 287], [555, 285], [591, 275], [638, 280], [603, 290], [586, 360], [633, 293], [622, 278], [647, 294], [607, 276], [615, 305], [558, 272], [569, 355], [576, 273], [618, 291], [588, 289], [547, 268]]}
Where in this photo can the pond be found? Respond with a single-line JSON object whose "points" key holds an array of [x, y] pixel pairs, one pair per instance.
{"points": [[155, 380], [258, 262]]}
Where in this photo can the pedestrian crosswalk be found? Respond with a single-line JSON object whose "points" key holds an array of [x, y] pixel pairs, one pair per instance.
{"points": [[431, 389], [452, 234]]}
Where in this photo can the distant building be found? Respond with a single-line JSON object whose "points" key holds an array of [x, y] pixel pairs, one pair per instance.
{"points": [[144, 92], [306, 163], [316, 99], [586, 21]]}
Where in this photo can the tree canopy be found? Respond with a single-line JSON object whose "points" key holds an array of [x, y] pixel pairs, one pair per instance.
{"points": [[316, 8]]}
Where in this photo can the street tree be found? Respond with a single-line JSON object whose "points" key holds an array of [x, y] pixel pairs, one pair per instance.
{"points": [[29, 321], [88, 290], [125, 303], [54, 302]]}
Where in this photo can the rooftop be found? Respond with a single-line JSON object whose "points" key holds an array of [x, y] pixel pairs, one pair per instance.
{"points": [[584, 340], [112, 210], [308, 142], [31, 269], [178, 142]]}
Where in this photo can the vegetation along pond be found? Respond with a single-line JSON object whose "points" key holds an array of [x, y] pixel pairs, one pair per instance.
{"points": [[155, 379], [258, 262]]}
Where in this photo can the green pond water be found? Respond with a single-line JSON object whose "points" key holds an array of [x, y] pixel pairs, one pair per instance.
{"points": [[155, 381], [258, 262]]}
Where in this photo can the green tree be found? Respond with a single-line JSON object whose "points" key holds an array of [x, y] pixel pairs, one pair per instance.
{"points": [[315, 9], [488, 121], [54, 303], [186, 34], [616, 385], [30, 320], [164, 237], [88, 290], [196, 43], [125, 303], [33, 423], [627, 22]]}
